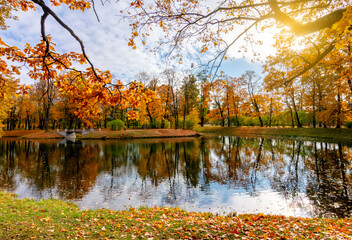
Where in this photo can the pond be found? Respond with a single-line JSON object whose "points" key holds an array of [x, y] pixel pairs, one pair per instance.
{"points": [[220, 174]]}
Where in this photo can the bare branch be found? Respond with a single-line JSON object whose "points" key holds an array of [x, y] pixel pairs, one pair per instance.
{"points": [[47, 10], [95, 12], [223, 53]]}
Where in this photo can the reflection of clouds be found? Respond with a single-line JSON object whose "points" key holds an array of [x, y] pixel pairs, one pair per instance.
{"points": [[269, 202], [26, 189], [243, 176], [279, 186]]}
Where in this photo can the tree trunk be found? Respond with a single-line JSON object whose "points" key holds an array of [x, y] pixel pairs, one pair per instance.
{"points": [[237, 122], [296, 114], [184, 117], [202, 117], [47, 113], [292, 118], [19, 123], [228, 117], [261, 121], [256, 107], [176, 117], [222, 119], [28, 121], [105, 120], [299, 124], [338, 119], [150, 118], [271, 111], [314, 117]]}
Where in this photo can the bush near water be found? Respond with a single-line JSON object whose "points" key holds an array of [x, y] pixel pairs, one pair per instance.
{"points": [[116, 125]]}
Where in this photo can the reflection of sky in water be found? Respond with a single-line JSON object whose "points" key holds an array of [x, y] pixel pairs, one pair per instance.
{"points": [[26, 190], [217, 199], [276, 184]]}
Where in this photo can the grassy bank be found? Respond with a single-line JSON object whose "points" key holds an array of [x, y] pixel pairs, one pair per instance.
{"points": [[19, 133], [140, 133], [32, 134], [55, 219], [326, 134], [343, 134], [105, 134]]}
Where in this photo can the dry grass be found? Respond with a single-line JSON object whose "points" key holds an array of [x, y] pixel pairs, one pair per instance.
{"points": [[19, 133], [140, 133], [106, 134], [41, 134]]}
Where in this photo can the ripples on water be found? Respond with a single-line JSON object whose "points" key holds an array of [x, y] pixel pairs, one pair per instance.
{"points": [[218, 174]]}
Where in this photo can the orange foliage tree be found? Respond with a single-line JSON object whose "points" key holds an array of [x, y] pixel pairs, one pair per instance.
{"points": [[56, 70], [218, 26], [323, 90]]}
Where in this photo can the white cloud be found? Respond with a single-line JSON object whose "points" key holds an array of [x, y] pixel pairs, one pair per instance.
{"points": [[105, 41]]}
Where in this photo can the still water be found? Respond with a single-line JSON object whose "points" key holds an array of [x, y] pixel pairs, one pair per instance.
{"points": [[217, 174]]}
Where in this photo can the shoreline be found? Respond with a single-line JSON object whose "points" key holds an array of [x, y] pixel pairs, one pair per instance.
{"points": [[317, 134], [57, 219], [106, 134]]}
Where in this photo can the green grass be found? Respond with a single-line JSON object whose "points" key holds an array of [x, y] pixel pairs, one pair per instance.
{"points": [[55, 219], [343, 134]]}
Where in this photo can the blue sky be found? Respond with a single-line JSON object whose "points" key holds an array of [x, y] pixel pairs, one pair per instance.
{"points": [[239, 66], [105, 42]]}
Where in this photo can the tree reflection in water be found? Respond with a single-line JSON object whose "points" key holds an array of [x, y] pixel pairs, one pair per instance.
{"points": [[308, 178]]}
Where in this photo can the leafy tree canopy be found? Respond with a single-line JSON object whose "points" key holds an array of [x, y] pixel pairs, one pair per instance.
{"points": [[220, 25]]}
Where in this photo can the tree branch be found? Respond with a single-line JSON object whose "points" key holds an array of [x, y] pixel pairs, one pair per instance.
{"points": [[47, 10], [316, 61], [307, 28]]}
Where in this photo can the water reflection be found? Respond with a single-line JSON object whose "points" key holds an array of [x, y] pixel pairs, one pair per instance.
{"points": [[219, 174]]}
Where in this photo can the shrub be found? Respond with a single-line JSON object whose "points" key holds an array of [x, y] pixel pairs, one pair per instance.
{"points": [[348, 124], [213, 122], [115, 125], [250, 121], [192, 119], [156, 123], [189, 124], [167, 124]]}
